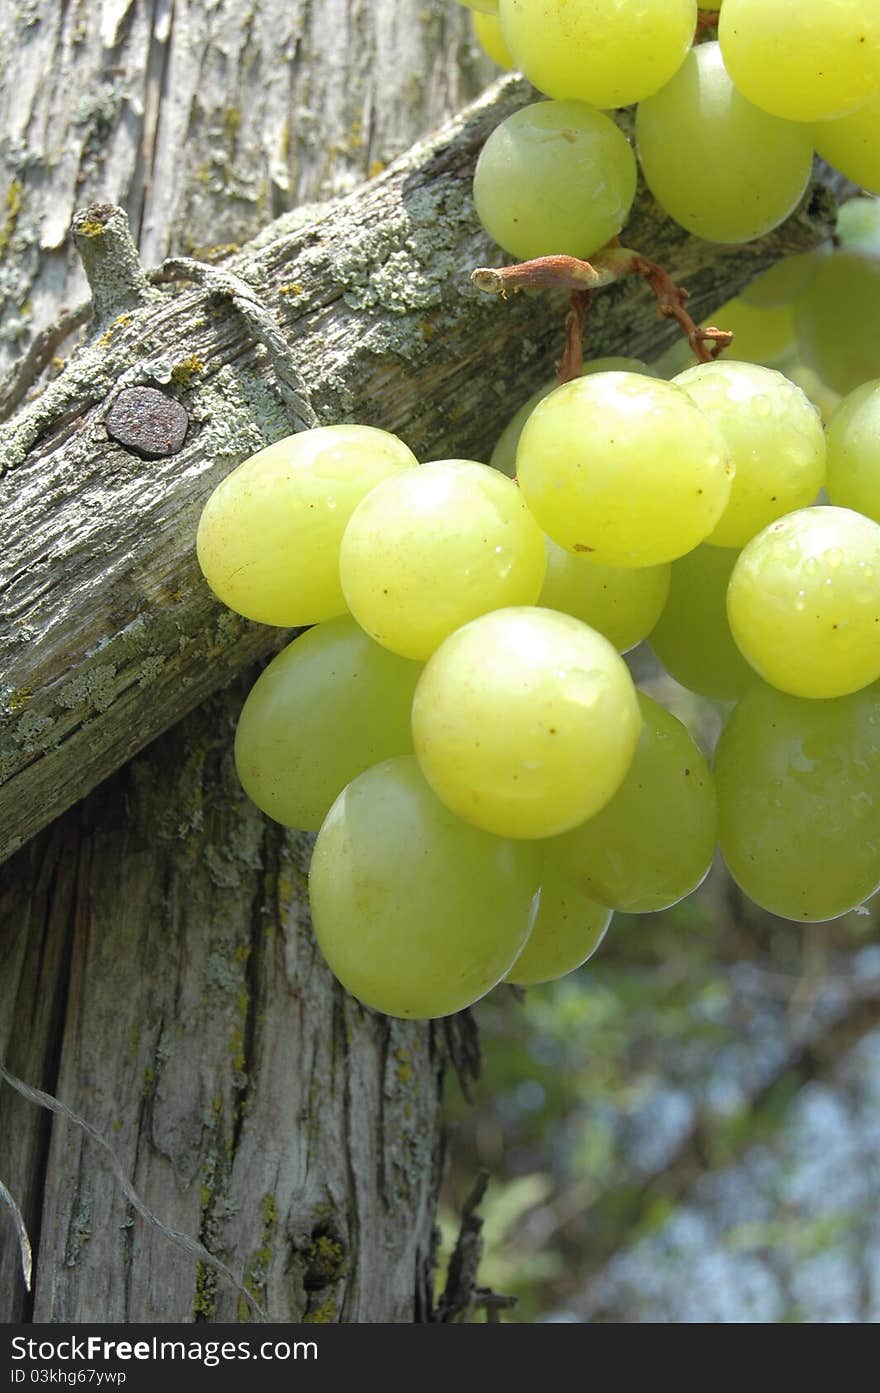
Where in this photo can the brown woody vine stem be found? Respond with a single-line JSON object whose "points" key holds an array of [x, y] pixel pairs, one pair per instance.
{"points": [[581, 278]]}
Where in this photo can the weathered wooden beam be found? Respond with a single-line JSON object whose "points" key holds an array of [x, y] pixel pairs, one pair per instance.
{"points": [[109, 634]]}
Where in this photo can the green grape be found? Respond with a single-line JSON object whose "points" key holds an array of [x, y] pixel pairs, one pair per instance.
{"points": [[775, 439], [327, 707], [554, 178], [760, 335], [720, 167], [487, 32], [269, 535], [653, 843], [622, 603], [823, 397], [852, 144], [804, 60], [605, 52], [504, 454], [525, 722], [837, 317], [804, 602], [568, 929], [487, 7], [598, 444], [782, 283], [799, 801], [431, 548], [854, 451], [692, 638], [417, 913], [858, 224]]}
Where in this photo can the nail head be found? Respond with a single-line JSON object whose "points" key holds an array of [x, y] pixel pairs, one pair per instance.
{"points": [[147, 422]]}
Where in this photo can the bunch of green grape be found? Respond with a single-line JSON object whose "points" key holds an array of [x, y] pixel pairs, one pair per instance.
{"points": [[725, 129], [457, 722]]}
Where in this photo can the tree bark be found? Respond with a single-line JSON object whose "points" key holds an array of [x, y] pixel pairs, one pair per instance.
{"points": [[156, 967]]}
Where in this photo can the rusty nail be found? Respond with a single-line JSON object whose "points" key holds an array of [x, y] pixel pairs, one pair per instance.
{"points": [[147, 422]]}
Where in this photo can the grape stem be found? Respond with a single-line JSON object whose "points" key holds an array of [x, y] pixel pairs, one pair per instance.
{"points": [[581, 278], [707, 24]]}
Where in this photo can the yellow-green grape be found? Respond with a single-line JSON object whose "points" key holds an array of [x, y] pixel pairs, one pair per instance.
{"points": [[525, 722], [623, 469], [804, 60], [858, 224], [269, 535], [654, 842], [553, 178], [605, 52], [852, 144], [487, 7], [763, 335], [568, 929], [720, 167], [434, 547], [854, 452], [783, 282], [623, 603], [823, 397], [775, 438], [326, 708], [417, 913], [799, 801], [487, 32], [804, 602], [504, 454], [837, 318], [692, 638]]}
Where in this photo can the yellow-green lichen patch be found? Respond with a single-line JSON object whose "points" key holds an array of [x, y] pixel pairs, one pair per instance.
{"points": [[183, 372]]}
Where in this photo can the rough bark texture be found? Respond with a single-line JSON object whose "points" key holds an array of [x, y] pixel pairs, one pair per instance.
{"points": [[204, 120], [156, 945], [156, 970]]}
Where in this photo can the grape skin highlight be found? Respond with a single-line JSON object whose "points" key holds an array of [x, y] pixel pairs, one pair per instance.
{"points": [[799, 801], [804, 602], [605, 52], [554, 178], [525, 722], [431, 548], [330, 705], [268, 538], [417, 913], [720, 167], [623, 469]]}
